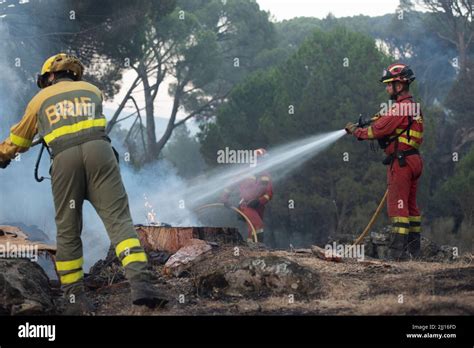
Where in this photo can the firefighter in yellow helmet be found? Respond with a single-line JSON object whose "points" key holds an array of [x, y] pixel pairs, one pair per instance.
{"points": [[67, 114]]}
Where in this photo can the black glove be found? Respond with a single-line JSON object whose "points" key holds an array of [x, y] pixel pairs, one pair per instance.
{"points": [[4, 164], [253, 204]]}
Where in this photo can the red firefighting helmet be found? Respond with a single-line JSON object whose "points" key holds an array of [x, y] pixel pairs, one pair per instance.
{"points": [[398, 72], [261, 152]]}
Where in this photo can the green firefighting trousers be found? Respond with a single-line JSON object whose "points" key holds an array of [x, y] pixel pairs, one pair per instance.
{"points": [[90, 171]]}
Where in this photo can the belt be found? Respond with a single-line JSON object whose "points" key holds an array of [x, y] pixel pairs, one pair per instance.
{"points": [[400, 155], [56, 148], [410, 152]]}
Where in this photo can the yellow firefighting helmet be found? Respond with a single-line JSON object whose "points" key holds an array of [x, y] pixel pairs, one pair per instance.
{"points": [[60, 62]]}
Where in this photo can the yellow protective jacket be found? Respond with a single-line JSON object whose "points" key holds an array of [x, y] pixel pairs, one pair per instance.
{"points": [[64, 114]]}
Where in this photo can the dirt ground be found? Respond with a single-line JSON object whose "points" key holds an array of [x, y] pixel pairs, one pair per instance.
{"points": [[243, 281]]}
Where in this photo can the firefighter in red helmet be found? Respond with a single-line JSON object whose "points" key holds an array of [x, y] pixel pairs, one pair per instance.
{"points": [[255, 192], [399, 131]]}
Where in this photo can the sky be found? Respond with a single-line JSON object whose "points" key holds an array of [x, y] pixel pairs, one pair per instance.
{"points": [[279, 10]]}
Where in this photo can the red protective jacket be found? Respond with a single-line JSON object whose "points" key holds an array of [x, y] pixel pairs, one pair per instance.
{"points": [[252, 188], [394, 122]]}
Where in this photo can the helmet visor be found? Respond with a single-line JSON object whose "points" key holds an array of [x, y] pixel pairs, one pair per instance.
{"points": [[386, 75]]}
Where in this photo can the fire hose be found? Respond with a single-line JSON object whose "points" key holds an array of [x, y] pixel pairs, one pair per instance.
{"points": [[238, 211], [371, 222]]}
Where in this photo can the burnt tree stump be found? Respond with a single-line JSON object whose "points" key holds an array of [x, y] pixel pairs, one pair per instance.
{"points": [[171, 239]]}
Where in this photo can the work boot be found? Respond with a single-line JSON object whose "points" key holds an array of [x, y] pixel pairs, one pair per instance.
{"points": [[78, 304], [414, 244], [145, 294], [397, 250]]}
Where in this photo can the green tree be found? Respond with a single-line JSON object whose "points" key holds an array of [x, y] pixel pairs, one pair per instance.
{"points": [[404, 35], [459, 99], [183, 152], [456, 197], [452, 21]]}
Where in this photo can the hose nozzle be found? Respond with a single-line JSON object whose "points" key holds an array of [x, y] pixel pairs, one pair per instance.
{"points": [[363, 122]]}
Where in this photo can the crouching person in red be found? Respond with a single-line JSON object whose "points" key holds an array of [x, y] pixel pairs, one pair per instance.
{"points": [[255, 192]]}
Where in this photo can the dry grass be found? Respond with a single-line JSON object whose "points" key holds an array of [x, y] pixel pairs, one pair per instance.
{"points": [[349, 288]]}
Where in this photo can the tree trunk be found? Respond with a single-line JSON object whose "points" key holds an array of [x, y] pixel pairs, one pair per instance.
{"points": [[462, 50], [341, 220], [149, 113], [113, 120], [171, 123]]}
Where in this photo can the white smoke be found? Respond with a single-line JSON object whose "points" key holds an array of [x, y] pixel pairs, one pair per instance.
{"points": [[164, 191], [21, 198]]}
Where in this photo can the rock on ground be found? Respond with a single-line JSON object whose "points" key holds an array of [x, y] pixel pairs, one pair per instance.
{"points": [[260, 277], [24, 288]]}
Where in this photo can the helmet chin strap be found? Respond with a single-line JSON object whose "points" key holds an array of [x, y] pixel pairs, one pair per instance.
{"points": [[395, 94]]}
